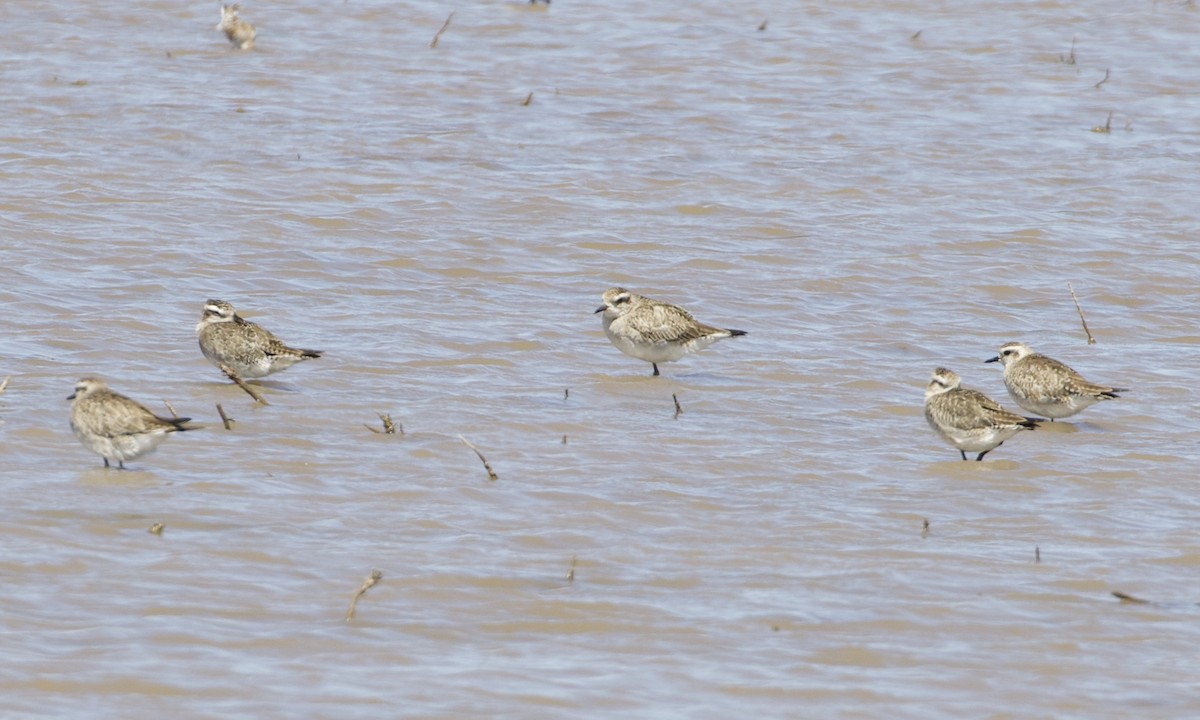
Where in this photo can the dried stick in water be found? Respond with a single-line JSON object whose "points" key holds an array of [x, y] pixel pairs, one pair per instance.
{"points": [[172, 409], [571, 572], [1125, 598], [1091, 340], [225, 419], [678, 409], [438, 35], [1068, 59], [368, 583], [242, 384], [4, 385], [491, 473]]}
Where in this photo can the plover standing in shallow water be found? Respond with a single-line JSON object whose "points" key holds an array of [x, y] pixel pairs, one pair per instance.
{"points": [[247, 349], [654, 331], [115, 427], [1046, 386], [968, 419], [239, 32]]}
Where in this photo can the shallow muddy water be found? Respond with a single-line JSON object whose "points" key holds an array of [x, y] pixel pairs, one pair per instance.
{"points": [[870, 189]]}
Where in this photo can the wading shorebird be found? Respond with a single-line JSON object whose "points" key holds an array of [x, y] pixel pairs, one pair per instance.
{"points": [[654, 331], [245, 348], [968, 419], [1045, 386], [115, 427], [239, 32]]}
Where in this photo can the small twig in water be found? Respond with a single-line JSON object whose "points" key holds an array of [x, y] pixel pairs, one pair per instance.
{"points": [[491, 473], [225, 419], [1126, 598], [678, 409], [1091, 340], [1106, 127], [762, 25], [4, 385], [368, 583], [242, 384], [528, 99], [438, 35], [156, 529], [566, 393], [564, 440], [916, 36], [1037, 553], [172, 409], [1069, 59], [1097, 85], [924, 528], [571, 572]]}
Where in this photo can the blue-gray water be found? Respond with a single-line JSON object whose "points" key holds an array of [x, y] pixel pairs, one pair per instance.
{"points": [[868, 202]]}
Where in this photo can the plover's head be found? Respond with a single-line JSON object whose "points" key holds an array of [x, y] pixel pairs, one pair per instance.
{"points": [[943, 380], [229, 13], [87, 386], [1010, 353], [217, 311], [617, 302]]}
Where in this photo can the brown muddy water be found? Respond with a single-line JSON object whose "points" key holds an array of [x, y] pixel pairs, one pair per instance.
{"points": [[870, 189]]}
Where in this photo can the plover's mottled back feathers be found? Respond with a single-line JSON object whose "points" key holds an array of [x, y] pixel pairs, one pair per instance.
{"points": [[114, 426], [1045, 386], [652, 330], [968, 419], [246, 348]]}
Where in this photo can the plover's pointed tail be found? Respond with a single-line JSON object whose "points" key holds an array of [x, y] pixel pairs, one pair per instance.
{"points": [[734, 333]]}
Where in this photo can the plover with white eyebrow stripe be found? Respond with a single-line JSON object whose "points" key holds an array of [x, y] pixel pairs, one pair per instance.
{"points": [[654, 331], [968, 419], [1045, 386], [246, 348]]}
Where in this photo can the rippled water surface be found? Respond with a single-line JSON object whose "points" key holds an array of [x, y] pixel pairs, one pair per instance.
{"points": [[870, 189]]}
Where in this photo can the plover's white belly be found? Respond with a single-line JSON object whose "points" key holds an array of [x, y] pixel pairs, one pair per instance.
{"points": [[1057, 408], [654, 352], [979, 440], [130, 447], [256, 368], [121, 447]]}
